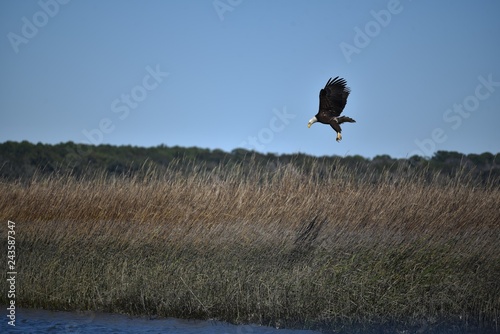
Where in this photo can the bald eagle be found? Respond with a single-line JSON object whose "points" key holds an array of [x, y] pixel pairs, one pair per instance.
{"points": [[332, 100]]}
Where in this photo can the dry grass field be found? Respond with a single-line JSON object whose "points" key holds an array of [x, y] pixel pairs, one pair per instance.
{"points": [[316, 249]]}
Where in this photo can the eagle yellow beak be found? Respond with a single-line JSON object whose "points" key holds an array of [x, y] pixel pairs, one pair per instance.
{"points": [[309, 124]]}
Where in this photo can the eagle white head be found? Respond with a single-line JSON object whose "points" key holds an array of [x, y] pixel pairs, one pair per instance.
{"points": [[312, 121]]}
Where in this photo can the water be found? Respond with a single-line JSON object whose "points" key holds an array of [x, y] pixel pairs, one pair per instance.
{"points": [[42, 321]]}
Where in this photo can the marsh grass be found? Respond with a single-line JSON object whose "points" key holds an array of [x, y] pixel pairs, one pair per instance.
{"points": [[283, 247]]}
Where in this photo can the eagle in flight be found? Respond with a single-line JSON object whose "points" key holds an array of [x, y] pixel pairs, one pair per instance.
{"points": [[332, 100]]}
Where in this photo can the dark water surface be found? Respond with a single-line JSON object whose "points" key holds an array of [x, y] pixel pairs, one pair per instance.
{"points": [[42, 321]]}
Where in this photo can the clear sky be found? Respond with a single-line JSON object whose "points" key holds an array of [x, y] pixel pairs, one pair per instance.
{"points": [[424, 75]]}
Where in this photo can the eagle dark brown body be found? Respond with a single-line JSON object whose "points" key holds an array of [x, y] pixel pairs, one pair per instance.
{"points": [[332, 100]]}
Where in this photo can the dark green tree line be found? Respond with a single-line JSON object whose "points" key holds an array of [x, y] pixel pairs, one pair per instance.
{"points": [[22, 160]]}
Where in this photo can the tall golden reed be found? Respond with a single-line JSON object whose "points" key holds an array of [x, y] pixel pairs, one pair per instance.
{"points": [[288, 245]]}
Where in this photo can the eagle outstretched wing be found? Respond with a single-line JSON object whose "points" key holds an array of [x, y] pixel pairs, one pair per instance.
{"points": [[333, 98]]}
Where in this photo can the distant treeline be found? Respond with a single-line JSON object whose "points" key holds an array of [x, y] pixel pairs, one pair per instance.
{"points": [[23, 160]]}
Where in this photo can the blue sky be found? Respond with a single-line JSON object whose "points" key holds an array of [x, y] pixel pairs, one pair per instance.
{"points": [[424, 75]]}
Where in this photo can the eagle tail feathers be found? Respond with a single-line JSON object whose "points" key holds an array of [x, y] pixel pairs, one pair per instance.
{"points": [[344, 119]]}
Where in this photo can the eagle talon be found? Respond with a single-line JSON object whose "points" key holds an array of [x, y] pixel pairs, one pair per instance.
{"points": [[339, 137]]}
